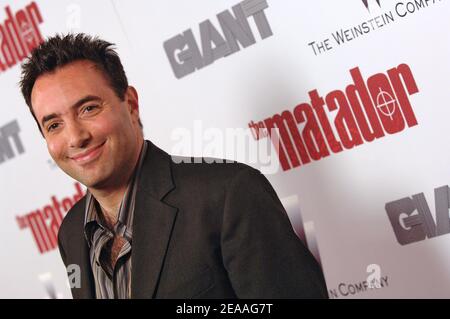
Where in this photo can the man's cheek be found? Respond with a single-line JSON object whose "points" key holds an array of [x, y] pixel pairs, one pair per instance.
{"points": [[102, 128], [55, 150]]}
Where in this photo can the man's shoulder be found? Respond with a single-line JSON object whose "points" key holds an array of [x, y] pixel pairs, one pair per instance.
{"points": [[207, 169], [193, 171]]}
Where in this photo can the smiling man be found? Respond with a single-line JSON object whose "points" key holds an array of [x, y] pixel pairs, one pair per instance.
{"points": [[151, 226]]}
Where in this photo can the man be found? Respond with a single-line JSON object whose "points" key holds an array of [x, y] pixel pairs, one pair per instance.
{"points": [[149, 226]]}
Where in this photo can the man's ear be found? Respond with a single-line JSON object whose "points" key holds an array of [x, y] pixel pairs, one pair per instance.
{"points": [[132, 100]]}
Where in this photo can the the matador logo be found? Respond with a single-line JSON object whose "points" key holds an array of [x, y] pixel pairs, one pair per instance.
{"points": [[19, 34], [44, 222], [365, 110], [366, 3]]}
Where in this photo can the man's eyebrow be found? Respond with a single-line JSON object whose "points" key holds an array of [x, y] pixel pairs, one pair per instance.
{"points": [[87, 98]]}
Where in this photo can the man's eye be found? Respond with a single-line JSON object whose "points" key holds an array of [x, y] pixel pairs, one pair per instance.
{"points": [[52, 127], [90, 108]]}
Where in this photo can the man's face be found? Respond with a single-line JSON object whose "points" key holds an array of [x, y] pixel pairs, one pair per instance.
{"points": [[91, 134]]}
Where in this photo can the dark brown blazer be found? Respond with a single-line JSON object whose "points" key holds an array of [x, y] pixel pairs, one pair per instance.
{"points": [[203, 230]]}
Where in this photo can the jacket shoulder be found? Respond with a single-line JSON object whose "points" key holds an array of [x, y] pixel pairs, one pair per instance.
{"points": [[215, 169]]}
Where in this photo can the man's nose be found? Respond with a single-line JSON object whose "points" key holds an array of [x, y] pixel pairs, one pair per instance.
{"points": [[78, 135]]}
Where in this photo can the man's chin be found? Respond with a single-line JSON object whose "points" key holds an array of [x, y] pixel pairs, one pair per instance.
{"points": [[95, 183], [90, 181]]}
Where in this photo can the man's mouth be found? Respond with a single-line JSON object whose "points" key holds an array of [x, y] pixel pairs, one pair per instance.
{"points": [[88, 155]]}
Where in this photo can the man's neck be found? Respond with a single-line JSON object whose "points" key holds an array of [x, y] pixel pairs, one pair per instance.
{"points": [[111, 198], [109, 202]]}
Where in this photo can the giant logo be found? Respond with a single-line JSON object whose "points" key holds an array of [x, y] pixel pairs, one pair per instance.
{"points": [[183, 50], [411, 217]]}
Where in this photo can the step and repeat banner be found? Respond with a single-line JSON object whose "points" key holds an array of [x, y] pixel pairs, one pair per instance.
{"points": [[350, 99]]}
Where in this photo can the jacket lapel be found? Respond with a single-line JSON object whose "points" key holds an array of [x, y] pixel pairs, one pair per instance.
{"points": [[151, 235], [153, 223]]}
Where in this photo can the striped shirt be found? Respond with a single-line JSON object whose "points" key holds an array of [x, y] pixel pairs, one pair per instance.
{"points": [[112, 283]]}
